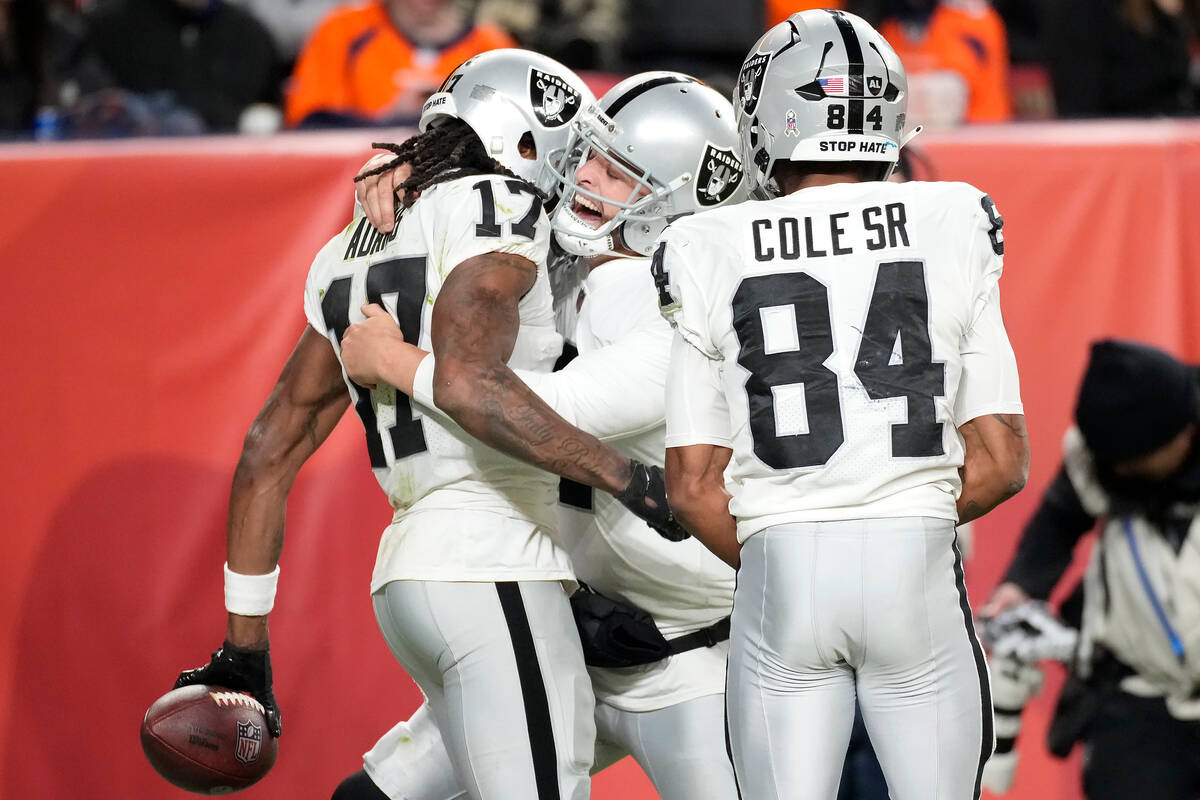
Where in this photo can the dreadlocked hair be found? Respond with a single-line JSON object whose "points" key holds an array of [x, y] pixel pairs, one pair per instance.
{"points": [[451, 150]]}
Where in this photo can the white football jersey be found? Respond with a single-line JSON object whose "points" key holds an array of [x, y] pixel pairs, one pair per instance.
{"points": [[619, 378], [835, 338], [615, 390], [463, 510]]}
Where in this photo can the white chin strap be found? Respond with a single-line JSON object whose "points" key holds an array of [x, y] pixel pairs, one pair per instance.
{"points": [[908, 137], [574, 235]]}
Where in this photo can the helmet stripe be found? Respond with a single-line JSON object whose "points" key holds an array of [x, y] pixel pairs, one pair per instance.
{"points": [[854, 58], [641, 89]]}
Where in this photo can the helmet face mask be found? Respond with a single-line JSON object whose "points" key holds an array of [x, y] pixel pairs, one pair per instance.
{"points": [[593, 137], [512, 98], [668, 140], [820, 86]]}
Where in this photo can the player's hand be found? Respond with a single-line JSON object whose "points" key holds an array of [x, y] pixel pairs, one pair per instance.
{"points": [[366, 345], [646, 496], [242, 670], [377, 193], [1005, 596]]}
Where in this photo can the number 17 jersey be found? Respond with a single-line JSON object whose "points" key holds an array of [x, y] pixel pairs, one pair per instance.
{"points": [[835, 338], [463, 510]]}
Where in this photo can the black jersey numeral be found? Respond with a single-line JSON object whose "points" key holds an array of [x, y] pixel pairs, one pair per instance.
{"points": [[525, 227], [995, 234], [808, 300], [404, 277], [898, 312]]}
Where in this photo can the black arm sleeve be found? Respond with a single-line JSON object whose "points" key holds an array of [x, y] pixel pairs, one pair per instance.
{"points": [[1048, 541]]}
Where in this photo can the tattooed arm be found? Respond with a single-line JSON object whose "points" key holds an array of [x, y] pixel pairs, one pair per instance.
{"points": [[308, 400], [996, 463], [475, 322]]}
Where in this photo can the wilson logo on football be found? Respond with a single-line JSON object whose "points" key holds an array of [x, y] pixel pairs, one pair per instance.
{"points": [[555, 102], [750, 81], [718, 177], [249, 742]]}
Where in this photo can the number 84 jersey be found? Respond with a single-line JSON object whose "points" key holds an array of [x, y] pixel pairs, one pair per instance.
{"points": [[463, 510], [835, 338]]}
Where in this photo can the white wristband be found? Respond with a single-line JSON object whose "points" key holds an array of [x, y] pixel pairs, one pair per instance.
{"points": [[250, 595]]}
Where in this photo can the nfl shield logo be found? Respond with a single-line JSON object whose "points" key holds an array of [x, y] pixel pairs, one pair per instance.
{"points": [[249, 742], [719, 176], [555, 102], [874, 84], [750, 81]]}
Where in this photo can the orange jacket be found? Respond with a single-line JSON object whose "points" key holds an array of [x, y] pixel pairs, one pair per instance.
{"points": [[966, 36], [357, 62]]}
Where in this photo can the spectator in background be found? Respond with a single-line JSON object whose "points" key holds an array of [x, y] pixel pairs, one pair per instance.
{"points": [[779, 10], [1023, 28], [23, 79], [376, 62], [289, 22], [582, 34], [1029, 77], [44, 64], [1121, 57], [956, 55], [1132, 461], [181, 56], [872, 11], [705, 38]]}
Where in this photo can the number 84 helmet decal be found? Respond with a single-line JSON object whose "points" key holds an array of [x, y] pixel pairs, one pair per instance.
{"points": [[820, 86]]}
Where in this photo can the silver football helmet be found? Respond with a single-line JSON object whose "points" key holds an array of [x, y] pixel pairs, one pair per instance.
{"points": [[673, 137], [822, 85], [513, 99]]}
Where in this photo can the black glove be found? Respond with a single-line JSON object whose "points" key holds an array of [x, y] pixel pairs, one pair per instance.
{"points": [[241, 670], [646, 496]]}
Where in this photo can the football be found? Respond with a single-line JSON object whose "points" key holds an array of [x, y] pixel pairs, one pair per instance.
{"points": [[208, 740]]}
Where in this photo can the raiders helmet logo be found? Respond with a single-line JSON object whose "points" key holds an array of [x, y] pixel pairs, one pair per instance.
{"points": [[750, 81], [874, 84], [719, 175], [555, 102]]}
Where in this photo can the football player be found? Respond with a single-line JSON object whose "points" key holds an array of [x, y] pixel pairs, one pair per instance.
{"points": [[466, 585], [657, 146], [840, 357]]}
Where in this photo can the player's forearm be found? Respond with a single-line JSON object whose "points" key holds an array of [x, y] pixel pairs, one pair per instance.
{"points": [[996, 465], [696, 491], [984, 495], [300, 413], [493, 405], [254, 539], [706, 516], [987, 484], [400, 366]]}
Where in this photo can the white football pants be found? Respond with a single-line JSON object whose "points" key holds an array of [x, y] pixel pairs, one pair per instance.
{"points": [[823, 611], [503, 673], [681, 748]]}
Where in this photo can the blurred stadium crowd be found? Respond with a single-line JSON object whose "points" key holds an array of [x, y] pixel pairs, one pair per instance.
{"points": [[108, 68]]}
